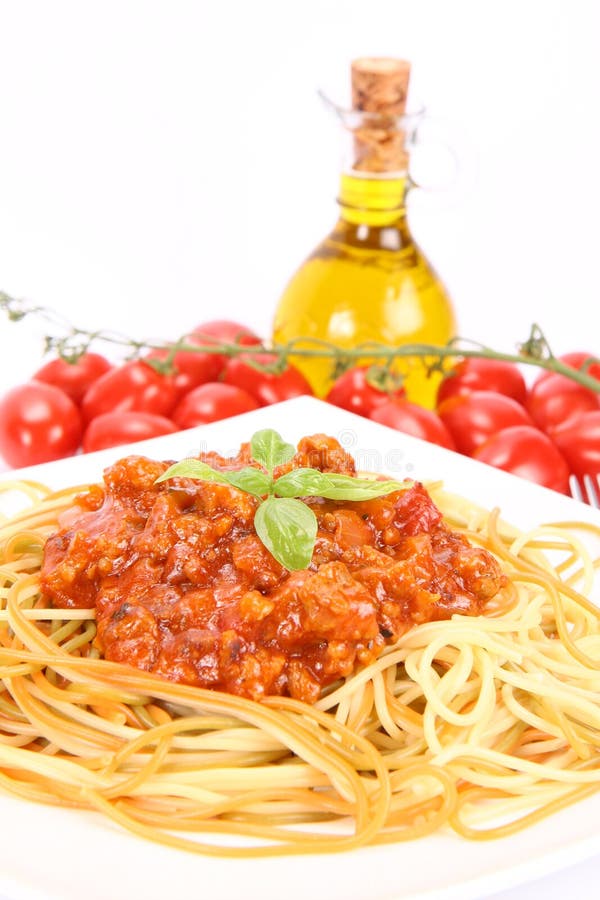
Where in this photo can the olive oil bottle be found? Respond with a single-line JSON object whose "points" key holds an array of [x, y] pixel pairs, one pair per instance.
{"points": [[368, 281]]}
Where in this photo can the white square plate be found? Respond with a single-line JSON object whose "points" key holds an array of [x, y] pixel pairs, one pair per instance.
{"points": [[48, 853]]}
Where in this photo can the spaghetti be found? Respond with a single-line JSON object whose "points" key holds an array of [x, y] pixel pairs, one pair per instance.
{"points": [[483, 724]]}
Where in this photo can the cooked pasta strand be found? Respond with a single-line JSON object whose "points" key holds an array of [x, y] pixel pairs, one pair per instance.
{"points": [[460, 723]]}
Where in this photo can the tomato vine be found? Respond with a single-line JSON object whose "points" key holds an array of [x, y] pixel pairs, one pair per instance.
{"points": [[71, 342]]}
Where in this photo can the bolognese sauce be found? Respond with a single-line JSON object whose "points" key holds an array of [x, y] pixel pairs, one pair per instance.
{"points": [[183, 587]]}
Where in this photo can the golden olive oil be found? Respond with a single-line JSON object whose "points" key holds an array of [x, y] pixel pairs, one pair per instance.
{"points": [[368, 281]]}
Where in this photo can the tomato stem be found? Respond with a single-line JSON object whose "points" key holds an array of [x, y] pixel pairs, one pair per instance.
{"points": [[535, 351]]}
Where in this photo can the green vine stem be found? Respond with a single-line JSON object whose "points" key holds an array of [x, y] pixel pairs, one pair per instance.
{"points": [[72, 342]]}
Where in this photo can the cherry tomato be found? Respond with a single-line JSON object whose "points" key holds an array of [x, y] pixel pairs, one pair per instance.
{"points": [[190, 369], [555, 399], [528, 452], [210, 402], [112, 429], [353, 391], [265, 387], [133, 387], [74, 378], [576, 359], [225, 331], [413, 419], [579, 442], [473, 418], [38, 423], [482, 374]]}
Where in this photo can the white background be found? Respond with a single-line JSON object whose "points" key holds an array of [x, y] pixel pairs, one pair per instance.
{"points": [[164, 163]]}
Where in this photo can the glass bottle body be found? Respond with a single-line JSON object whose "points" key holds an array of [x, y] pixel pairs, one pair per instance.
{"points": [[368, 281]]}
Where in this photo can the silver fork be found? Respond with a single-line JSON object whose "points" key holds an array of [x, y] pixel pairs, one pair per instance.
{"points": [[586, 489]]}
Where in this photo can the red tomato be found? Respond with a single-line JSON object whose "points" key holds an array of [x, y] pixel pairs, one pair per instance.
{"points": [[190, 369], [74, 378], [225, 331], [482, 374], [210, 402], [473, 418], [412, 419], [579, 442], [528, 452], [112, 429], [555, 399], [132, 387], [354, 392], [38, 423], [265, 387], [576, 360]]}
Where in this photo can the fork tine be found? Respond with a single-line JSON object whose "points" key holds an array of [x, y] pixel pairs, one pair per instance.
{"points": [[577, 490], [592, 488], [586, 489]]}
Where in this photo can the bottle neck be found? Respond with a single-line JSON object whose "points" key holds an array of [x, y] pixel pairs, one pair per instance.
{"points": [[374, 201]]}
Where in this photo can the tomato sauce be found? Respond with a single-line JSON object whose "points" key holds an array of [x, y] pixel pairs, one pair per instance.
{"points": [[184, 588]]}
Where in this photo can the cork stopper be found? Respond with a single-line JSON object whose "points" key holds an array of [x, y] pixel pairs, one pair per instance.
{"points": [[380, 89]]}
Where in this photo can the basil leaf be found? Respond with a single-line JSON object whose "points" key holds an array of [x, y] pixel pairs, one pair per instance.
{"points": [[345, 487], [269, 449], [300, 483], [193, 468], [252, 480], [312, 483], [249, 479], [288, 529]]}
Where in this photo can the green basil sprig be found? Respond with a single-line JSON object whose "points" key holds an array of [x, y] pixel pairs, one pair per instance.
{"points": [[285, 525]]}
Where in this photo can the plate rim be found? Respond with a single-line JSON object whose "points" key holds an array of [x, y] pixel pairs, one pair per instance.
{"points": [[428, 457]]}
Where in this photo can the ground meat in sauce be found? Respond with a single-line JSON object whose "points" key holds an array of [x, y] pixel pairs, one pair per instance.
{"points": [[184, 588]]}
